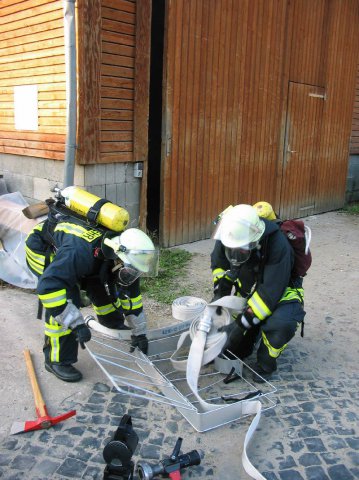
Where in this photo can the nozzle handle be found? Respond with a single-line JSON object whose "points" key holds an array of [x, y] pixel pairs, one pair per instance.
{"points": [[176, 449]]}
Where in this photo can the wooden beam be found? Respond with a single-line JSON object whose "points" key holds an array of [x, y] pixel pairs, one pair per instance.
{"points": [[89, 74], [142, 83]]}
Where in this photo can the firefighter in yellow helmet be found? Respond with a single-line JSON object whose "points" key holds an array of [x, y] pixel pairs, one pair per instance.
{"points": [[107, 266], [253, 259]]}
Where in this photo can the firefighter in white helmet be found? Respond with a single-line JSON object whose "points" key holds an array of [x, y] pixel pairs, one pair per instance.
{"points": [[70, 257], [253, 259]]}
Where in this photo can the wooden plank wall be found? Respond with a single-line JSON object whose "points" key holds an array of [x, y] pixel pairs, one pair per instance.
{"points": [[342, 50], [223, 110], [354, 140], [307, 34], [32, 53], [107, 36], [229, 67]]}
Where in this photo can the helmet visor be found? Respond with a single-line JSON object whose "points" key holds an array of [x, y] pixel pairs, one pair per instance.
{"points": [[237, 256], [146, 261]]}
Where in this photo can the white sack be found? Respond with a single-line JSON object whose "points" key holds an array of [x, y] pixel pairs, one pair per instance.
{"points": [[14, 228]]}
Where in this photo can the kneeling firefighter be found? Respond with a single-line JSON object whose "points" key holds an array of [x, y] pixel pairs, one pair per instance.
{"points": [[70, 257], [253, 259]]}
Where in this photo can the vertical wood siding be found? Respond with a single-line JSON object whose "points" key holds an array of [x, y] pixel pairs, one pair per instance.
{"points": [[300, 166], [107, 80], [32, 53], [243, 79], [342, 55], [323, 52], [222, 110], [354, 139], [308, 38]]}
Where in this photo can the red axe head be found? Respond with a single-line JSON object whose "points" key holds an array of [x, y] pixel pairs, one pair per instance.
{"points": [[43, 418]]}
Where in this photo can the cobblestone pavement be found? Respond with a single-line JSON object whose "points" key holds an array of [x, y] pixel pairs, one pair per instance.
{"points": [[312, 434]]}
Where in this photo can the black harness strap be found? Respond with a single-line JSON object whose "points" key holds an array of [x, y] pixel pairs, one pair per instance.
{"points": [[93, 212], [58, 213]]}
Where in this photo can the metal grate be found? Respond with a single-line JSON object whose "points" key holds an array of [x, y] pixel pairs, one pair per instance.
{"points": [[153, 378]]}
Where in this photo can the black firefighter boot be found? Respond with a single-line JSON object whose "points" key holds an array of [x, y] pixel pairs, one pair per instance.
{"points": [[66, 373], [265, 365]]}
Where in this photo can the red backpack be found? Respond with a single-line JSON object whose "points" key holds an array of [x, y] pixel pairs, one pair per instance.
{"points": [[299, 236]]}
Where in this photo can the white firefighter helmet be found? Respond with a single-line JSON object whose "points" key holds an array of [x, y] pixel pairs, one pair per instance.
{"points": [[240, 227], [137, 252]]}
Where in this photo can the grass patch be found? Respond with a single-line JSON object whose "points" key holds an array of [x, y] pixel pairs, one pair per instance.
{"points": [[166, 287], [352, 208]]}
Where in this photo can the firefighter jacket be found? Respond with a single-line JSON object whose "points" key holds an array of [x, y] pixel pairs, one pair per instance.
{"points": [[265, 278], [75, 259]]}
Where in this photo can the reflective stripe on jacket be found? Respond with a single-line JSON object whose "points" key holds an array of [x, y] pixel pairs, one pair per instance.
{"points": [[269, 277]]}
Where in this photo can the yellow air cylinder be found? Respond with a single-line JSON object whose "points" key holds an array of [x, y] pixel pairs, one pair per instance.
{"points": [[265, 210], [110, 215]]}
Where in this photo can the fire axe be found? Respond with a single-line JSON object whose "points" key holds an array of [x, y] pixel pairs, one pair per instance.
{"points": [[43, 418]]}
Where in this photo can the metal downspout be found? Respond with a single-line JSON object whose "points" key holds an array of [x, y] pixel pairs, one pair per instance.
{"points": [[71, 91]]}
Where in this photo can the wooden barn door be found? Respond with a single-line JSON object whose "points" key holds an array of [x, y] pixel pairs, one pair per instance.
{"points": [[222, 110], [301, 152]]}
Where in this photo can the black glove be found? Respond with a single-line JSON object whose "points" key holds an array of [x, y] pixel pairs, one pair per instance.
{"points": [[228, 328], [247, 320], [139, 341], [235, 335], [221, 289], [83, 334]]}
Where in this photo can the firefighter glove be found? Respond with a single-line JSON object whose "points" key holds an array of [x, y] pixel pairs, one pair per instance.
{"points": [[235, 335], [83, 334], [222, 288], [247, 320], [139, 341], [227, 328], [70, 317]]}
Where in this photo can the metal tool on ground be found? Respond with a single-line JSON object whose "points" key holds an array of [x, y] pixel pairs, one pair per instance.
{"points": [[43, 418], [206, 401], [170, 467], [119, 450]]}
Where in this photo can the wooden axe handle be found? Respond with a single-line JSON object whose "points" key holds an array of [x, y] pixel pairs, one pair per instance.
{"points": [[39, 401]]}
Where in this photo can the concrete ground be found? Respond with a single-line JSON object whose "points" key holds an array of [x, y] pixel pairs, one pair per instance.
{"points": [[312, 434]]}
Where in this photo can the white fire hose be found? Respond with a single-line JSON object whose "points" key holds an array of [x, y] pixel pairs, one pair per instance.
{"points": [[201, 316], [206, 344], [199, 323]]}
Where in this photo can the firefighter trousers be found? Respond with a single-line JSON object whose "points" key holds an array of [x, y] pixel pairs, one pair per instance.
{"points": [[60, 345], [274, 332]]}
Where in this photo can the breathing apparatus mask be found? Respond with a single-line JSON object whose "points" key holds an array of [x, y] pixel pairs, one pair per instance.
{"points": [[134, 255], [238, 256], [125, 275]]}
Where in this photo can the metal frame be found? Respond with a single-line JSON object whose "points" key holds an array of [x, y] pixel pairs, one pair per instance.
{"points": [[153, 378]]}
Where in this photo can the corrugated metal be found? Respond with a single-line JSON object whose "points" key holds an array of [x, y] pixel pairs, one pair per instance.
{"points": [[238, 75], [222, 110]]}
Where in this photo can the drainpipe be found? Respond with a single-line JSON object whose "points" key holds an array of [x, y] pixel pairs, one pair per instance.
{"points": [[71, 93]]}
